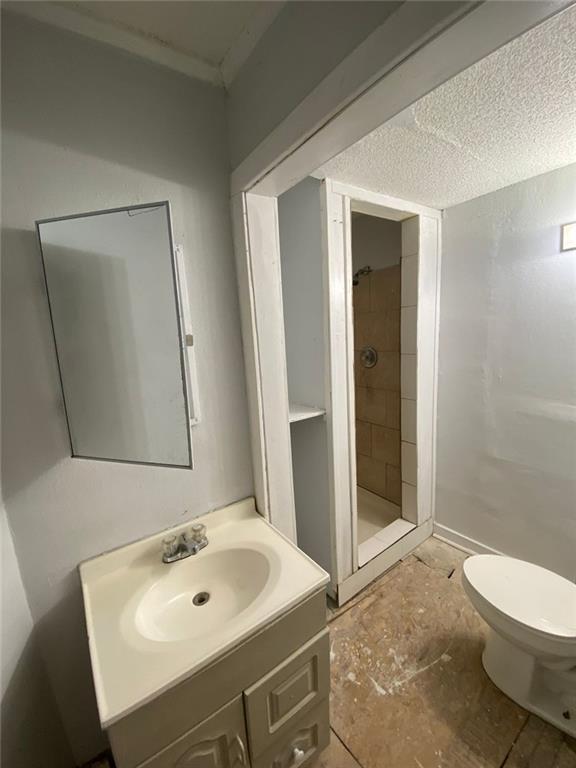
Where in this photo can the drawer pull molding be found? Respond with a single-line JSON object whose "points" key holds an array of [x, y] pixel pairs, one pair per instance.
{"points": [[215, 753], [241, 750], [212, 752]]}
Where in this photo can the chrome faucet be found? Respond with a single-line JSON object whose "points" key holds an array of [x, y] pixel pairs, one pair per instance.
{"points": [[187, 543]]}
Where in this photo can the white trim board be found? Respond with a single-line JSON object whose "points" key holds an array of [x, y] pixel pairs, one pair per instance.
{"points": [[385, 538], [429, 236], [337, 287], [245, 281], [263, 257], [462, 542], [381, 563], [404, 209], [336, 115]]}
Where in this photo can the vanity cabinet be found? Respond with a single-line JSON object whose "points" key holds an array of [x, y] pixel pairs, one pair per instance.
{"points": [[217, 742], [263, 704]]}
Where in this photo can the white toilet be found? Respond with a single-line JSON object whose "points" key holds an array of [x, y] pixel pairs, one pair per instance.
{"points": [[531, 650]]}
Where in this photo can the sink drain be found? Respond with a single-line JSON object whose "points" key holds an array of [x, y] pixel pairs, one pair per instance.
{"points": [[201, 598]]}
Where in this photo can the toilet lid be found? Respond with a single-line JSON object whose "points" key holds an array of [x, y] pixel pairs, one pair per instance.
{"points": [[525, 592]]}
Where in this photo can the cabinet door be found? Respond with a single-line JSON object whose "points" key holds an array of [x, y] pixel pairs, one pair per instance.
{"points": [[217, 742]]}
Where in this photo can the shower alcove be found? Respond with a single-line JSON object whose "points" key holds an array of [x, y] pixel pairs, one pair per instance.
{"points": [[295, 271]]}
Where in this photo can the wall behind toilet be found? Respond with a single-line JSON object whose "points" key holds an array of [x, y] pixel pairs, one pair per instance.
{"points": [[506, 472], [86, 127]]}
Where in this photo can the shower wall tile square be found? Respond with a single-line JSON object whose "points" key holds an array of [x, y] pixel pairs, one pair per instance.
{"points": [[384, 375], [408, 376], [372, 406], [410, 236], [385, 289], [361, 296], [409, 289], [392, 410], [408, 330], [364, 438], [393, 484], [378, 406], [409, 463], [408, 410], [409, 503], [386, 445], [380, 330], [371, 474]]}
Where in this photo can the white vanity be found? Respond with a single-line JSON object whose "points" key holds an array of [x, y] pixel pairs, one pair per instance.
{"points": [[219, 659]]}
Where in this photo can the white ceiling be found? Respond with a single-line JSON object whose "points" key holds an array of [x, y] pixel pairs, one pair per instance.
{"points": [[209, 40], [508, 118]]}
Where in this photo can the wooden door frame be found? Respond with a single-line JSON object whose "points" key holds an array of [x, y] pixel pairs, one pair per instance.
{"points": [[339, 258]]}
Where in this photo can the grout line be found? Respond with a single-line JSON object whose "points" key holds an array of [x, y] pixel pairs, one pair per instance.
{"points": [[345, 746]]}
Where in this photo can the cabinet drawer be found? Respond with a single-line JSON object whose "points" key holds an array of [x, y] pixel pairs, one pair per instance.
{"points": [[306, 738], [217, 742], [287, 692]]}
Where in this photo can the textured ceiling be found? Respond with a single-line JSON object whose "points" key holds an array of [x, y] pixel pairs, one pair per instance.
{"points": [[508, 118]]}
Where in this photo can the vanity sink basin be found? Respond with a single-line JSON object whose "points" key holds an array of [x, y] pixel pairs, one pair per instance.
{"points": [[153, 624], [197, 597]]}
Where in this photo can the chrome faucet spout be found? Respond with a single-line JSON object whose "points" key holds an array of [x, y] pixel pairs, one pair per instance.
{"points": [[188, 543]]}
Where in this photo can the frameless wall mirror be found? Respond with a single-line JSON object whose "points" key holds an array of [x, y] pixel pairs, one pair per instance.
{"points": [[112, 284]]}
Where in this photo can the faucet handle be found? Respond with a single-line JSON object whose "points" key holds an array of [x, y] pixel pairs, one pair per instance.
{"points": [[198, 532], [169, 545]]}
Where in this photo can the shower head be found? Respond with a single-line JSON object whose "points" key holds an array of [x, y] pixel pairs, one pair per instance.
{"points": [[360, 273]]}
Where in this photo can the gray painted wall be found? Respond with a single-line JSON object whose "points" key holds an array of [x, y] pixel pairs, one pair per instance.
{"points": [[86, 127], [300, 233], [32, 732], [507, 384], [300, 48]]}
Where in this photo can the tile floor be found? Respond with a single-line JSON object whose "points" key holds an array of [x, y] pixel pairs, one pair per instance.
{"points": [[408, 688], [374, 513]]}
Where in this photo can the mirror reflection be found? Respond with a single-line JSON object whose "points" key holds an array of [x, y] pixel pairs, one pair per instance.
{"points": [[113, 292]]}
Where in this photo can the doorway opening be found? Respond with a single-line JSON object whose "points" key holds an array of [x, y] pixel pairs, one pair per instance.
{"points": [[384, 256]]}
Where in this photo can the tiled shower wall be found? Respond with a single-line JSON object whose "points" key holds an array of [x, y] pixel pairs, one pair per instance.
{"points": [[377, 324]]}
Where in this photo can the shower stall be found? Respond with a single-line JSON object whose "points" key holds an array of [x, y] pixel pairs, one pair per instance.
{"points": [[376, 306]]}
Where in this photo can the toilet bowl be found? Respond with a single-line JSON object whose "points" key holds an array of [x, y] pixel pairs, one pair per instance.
{"points": [[530, 653]]}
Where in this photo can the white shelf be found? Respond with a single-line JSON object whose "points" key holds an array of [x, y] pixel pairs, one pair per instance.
{"points": [[301, 412]]}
